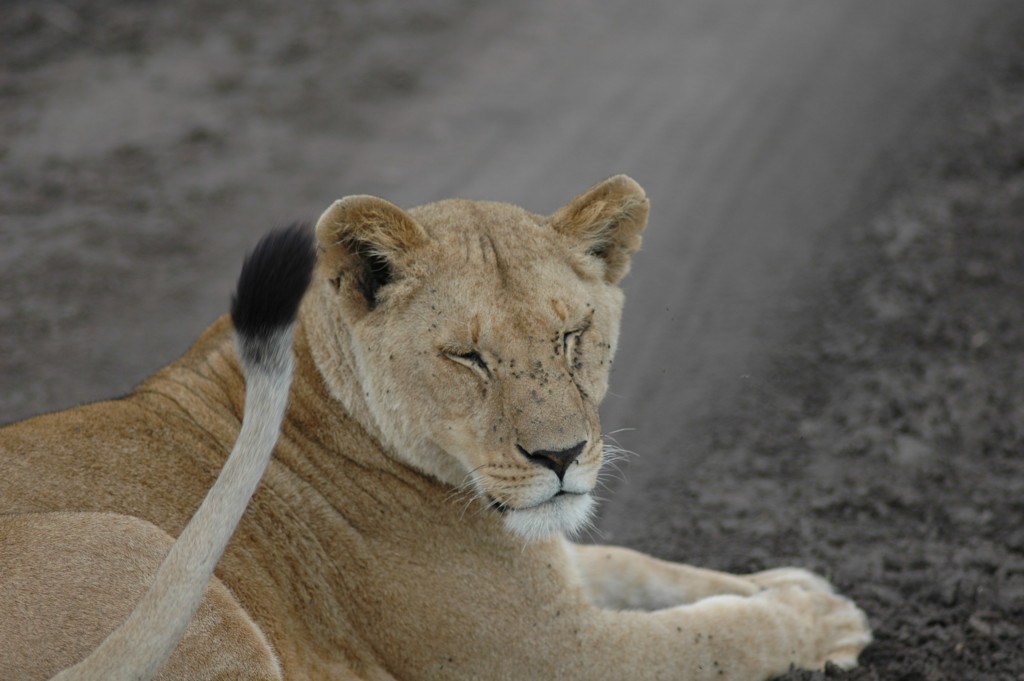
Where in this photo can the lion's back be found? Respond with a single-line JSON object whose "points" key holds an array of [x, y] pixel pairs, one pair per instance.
{"points": [[108, 456], [153, 453]]}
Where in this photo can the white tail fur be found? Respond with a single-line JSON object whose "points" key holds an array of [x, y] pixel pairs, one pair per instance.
{"points": [[271, 285]]}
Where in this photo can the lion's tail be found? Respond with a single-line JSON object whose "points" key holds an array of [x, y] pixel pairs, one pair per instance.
{"points": [[273, 280]]}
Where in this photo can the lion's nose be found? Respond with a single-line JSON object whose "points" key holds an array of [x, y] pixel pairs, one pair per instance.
{"points": [[557, 460]]}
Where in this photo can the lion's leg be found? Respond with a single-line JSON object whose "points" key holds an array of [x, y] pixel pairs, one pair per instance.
{"points": [[733, 627], [732, 637], [621, 579], [67, 579], [222, 642]]}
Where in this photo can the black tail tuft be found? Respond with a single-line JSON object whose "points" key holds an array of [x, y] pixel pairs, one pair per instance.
{"points": [[274, 277]]}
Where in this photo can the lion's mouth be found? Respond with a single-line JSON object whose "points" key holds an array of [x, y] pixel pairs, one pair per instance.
{"points": [[503, 507], [499, 506]]}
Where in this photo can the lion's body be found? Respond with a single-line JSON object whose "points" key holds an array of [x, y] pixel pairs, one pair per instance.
{"points": [[334, 552], [360, 555]]}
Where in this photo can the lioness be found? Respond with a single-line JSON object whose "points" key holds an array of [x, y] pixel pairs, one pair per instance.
{"points": [[441, 441]]}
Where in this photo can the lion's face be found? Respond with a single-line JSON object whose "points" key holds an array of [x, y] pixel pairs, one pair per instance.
{"points": [[481, 337]]}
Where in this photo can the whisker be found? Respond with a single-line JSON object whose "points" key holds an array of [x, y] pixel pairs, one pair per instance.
{"points": [[456, 493], [465, 507], [611, 472]]}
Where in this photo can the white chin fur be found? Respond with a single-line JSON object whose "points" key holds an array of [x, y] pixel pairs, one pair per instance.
{"points": [[567, 514]]}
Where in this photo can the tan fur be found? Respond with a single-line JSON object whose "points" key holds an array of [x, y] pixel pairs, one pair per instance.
{"points": [[84, 568], [401, 531]]}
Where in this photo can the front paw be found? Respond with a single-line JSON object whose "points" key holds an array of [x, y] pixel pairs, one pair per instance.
{"points": [[790, 576], [831, 628]]}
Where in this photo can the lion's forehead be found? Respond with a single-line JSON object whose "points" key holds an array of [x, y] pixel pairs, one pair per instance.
{"points": [[497, 255], [489, 235], [481, 313]]}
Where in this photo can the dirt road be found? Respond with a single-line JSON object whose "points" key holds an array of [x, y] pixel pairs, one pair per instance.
{"points": [[751, 125], [143, 152], [138, 167]]}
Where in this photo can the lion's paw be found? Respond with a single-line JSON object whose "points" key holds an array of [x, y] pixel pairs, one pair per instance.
{"points": [[850, 634], [790, 576], [834, 628]]}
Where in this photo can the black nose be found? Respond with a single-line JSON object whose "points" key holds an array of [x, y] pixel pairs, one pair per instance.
{"points": [[556, 460]]}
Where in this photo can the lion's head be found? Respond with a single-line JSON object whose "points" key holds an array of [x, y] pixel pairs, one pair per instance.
{"points": [[474, 339]]}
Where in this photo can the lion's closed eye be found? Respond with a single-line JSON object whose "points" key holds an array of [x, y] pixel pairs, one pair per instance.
{"points": [[570, 341], [469, 358]]}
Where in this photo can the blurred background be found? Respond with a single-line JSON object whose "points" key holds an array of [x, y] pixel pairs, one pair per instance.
{"points": [[811, 167]]}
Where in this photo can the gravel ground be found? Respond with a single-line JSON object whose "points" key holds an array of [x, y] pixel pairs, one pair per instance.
{"points": [[883, 445]]}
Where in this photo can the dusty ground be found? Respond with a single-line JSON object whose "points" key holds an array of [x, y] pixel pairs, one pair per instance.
{"points": [[824, 353]]}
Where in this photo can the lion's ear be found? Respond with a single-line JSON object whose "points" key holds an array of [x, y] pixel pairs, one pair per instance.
{"points": [[607, 220], [364, 241]]}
